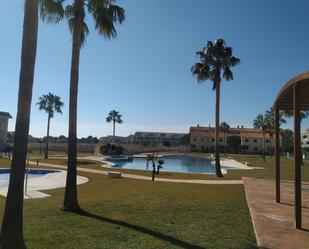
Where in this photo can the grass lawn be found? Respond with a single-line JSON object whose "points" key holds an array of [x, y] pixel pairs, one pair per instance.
{"points": [[124, 213]]}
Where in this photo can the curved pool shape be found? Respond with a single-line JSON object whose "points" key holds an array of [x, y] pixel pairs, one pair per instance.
{"points": [[38, 180], [32, 173], [186, 164]]}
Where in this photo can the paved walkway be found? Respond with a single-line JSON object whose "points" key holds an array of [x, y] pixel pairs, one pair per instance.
{"points": [[274, 223], [147, 178]]}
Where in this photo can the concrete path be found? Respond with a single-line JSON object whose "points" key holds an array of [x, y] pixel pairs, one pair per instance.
{"points": [[147, 178], [274, 223]]}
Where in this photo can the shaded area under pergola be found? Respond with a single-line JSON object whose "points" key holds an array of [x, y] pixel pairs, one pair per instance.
{"points": [[294, 96]]}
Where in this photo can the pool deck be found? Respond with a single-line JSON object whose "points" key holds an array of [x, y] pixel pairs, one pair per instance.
{"points": [[45, 182], [273, 222]]}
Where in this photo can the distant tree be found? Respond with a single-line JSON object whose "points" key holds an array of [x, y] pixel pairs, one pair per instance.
{"points": [[160, 165], [152, 158], [115, 117], [51, 104], [224, 127], [234, 143], [289, 114], [185, 140], [166, 143], [287, 140], [215, 58], [261, 123], [269, 117]]}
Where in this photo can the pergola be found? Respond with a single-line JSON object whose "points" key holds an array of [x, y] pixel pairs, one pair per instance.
{"points": [[294, 96]]}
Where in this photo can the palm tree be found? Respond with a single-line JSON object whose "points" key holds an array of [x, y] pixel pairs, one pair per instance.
{"points": [[269, 117], [115, 117], [224, 127], [12, 224], [215, 58], [261, 123], [50, 103], [288, 114], [105, 14]]}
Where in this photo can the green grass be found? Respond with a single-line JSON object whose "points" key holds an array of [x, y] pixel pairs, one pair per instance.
{"points": [[128, 213]]}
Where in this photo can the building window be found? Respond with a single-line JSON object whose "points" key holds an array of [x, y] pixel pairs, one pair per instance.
{"points": [[255, 148], [194, 139], [221, 140], [304, 136], [212, 139], [202, 139], [267, 141], [254, 140], [246, 140], [307, 142]]}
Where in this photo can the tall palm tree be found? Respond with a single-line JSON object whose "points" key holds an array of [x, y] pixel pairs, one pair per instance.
{"points": [[12, 224], [269, 117], [50, 103], [105, 15], [115, 117], [215, 59], [261, 123], [224, 127]]}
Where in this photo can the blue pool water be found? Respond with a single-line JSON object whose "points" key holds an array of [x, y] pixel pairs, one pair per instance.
{"points": [[187, 164], [33, 173]]}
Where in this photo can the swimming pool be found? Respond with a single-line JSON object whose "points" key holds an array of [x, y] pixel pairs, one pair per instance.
{"points": [[185, 164], [32, 173]]}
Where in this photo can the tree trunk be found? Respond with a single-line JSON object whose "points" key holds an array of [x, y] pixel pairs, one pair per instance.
{"points": [[47, 137], [153, 171], [70, 202], [12, 224], [114, 130], [264, 146], [217, 153], [224, 143]]}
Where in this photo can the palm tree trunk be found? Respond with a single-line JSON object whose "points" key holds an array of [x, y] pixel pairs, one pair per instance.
{"points": [[217, 154], [47, 137], [224, 143], [12, 224], [70, 202], [264, 146], [114, 123]]}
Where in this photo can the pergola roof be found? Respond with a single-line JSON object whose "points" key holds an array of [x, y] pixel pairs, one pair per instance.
{"points": [[284, 100]]}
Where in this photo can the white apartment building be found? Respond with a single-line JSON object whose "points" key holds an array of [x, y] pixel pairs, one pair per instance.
{"points": [[305, 139], [158, 137]]}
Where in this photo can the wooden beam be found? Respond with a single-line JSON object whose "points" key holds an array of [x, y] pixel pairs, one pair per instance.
{"points": [[277, 153], [297, 157]]}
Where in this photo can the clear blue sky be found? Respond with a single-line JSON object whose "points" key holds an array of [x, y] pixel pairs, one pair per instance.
{"points": [[145, 72]]}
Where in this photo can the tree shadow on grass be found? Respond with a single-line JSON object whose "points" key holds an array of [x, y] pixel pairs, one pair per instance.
{"points": [[167, 238]]}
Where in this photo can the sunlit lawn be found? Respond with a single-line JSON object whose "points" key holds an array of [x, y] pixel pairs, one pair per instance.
{"points": [[140, 214]]}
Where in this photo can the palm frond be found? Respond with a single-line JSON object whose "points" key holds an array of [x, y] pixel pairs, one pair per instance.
{"points": [[51, 11]]}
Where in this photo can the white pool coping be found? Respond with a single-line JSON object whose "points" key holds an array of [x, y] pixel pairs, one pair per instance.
{"points": [[46, 182]]}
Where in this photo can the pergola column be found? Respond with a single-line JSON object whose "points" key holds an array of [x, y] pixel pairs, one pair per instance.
{"points": [[297, 155], [277, 154]]}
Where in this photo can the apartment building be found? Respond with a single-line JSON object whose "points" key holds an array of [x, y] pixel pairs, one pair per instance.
{"points": [[305, 139], [251, 139], [158, 137], [4, 121]]}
